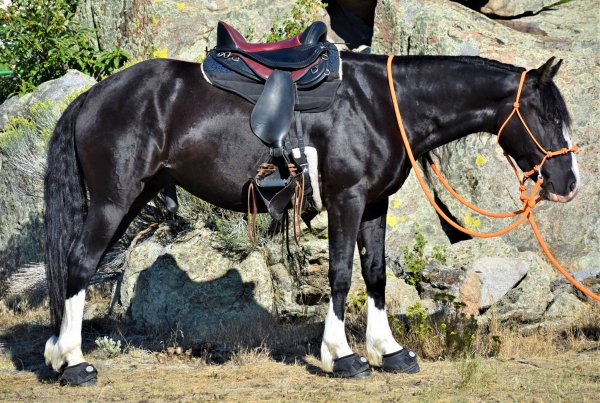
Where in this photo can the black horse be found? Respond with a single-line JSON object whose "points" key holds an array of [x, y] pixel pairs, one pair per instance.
{"points": [[160, 123]]}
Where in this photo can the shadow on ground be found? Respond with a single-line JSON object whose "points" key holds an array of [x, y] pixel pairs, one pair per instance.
{"points": [[210, 320]]}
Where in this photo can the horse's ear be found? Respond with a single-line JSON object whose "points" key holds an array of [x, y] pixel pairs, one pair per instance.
{"points": [[548, 70], [556, 67]]}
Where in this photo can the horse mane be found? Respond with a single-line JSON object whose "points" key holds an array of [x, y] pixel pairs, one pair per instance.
{"points": [[477, 60], [553, 103]]}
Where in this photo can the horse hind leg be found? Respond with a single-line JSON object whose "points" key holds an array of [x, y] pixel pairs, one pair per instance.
{"points": [[98, 231], [103, 226], [382, 349]]}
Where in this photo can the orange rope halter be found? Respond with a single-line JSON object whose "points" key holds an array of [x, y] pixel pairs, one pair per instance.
{"points": [[529, 201]]}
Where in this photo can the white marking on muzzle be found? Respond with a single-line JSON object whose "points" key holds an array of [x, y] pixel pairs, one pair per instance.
{"points": [[574, 166]]}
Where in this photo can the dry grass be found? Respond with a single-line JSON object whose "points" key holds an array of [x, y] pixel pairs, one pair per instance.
{"points": [[257, 377], [280, 362]]}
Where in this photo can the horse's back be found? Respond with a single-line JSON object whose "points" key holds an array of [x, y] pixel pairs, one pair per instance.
{"points": [[162, 115]]}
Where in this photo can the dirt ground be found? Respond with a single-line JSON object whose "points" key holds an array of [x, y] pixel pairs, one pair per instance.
{"points": [[140, 375], [543, 367]]}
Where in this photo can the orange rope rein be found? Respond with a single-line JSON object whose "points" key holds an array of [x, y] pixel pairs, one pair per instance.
{"points": [[529, 201]]}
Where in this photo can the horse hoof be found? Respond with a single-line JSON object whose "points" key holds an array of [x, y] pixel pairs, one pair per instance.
{"points": [[402, 361], [351, 366], [83, 374]]}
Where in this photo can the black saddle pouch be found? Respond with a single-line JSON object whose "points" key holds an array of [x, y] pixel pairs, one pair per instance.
{"points": [[275, 188]]}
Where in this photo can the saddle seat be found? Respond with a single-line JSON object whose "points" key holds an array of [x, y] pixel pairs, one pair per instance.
{"points": [[294, 53]]}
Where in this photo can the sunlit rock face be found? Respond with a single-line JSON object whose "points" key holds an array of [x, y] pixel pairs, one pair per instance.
{"points": [[176, 29], [475, 166]]}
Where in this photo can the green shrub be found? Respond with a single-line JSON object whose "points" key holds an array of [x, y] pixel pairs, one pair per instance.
{"points": [[418, 321], [458, 330], [414, 259], [300, 17], [40, 41], [357, 302], [108, 346], [448, 333]]}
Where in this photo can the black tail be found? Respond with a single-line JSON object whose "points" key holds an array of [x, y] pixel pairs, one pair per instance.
{"points": [[65, 207]]}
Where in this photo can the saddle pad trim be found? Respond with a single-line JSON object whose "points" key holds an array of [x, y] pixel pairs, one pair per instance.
{"points": [[313, 173]]}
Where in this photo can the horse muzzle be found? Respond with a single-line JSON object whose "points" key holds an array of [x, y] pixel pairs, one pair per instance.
{"points": [[559, 198]]}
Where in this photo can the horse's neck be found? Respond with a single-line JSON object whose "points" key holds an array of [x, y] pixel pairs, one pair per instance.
{"points": [[461, 99]]}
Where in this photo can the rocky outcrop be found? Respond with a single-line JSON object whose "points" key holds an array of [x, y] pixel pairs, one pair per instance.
{"points": [[475, 165], [54, 91], [187, 283], [172, 28], [497, 281], [188, 286], [22, 164], [513, 8]]}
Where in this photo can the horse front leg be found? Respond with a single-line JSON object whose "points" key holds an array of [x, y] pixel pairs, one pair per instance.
{"points": [[382, 349], [336, 355]]}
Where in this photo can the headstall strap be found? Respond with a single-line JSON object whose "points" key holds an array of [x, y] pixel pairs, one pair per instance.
{"points": [[547, 154]]}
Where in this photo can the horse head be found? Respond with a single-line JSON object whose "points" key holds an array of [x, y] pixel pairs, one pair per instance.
{"points": [[536, 134]]}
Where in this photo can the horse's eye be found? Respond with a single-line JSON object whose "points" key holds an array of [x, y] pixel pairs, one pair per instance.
{"points": [[557, 121]]}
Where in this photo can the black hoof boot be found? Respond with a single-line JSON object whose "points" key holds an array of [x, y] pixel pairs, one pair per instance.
{"points": [[351, 366], [83, 374], [402, 361]]}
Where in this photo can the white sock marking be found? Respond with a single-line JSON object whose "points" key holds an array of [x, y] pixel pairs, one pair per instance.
{"points": [[379, 335], [67, 347], [334, 343]]}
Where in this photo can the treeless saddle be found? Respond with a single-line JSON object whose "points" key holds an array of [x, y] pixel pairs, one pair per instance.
{"points": [[298, 74]]}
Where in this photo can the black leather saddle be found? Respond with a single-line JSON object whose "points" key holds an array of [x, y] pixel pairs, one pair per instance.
{"points": [[301, 74]]}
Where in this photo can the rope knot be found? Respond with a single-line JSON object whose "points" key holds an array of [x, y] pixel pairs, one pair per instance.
{"points": [[516, 105]]}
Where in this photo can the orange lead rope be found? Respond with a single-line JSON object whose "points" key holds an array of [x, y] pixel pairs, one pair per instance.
{"points": [[529, 201]]}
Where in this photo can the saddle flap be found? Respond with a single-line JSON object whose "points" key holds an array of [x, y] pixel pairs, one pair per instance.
{"points": [[272, 115]]}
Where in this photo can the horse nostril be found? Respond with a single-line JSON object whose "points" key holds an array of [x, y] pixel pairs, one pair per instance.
{"points": [[573, 186], [550, 187]]}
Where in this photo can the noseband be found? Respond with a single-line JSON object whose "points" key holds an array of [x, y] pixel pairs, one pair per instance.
{"points": [[547, 154]]}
